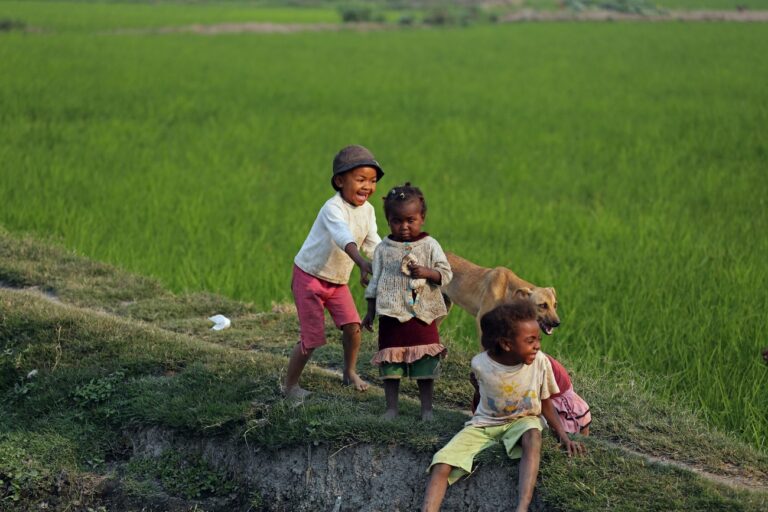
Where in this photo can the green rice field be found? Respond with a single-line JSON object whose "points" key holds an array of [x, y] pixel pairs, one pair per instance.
{"points": [[624, 164], [95, 16]]}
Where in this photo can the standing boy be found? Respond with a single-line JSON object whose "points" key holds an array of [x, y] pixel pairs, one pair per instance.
{"points": [[345, 224]]}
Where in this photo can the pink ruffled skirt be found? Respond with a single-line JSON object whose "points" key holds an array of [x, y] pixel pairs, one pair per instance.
{"points": [[573, 411]]}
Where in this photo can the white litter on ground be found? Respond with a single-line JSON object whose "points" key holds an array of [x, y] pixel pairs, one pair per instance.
{"points": [[219, 322]]}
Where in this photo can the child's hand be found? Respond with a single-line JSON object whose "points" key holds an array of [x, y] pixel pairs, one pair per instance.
{"points": [[368, 321], [422, 272], [572, 447], [366, 269]]}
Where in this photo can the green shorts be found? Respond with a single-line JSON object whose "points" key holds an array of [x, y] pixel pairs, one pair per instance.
{"points": [[460, 451], [428, 367]]}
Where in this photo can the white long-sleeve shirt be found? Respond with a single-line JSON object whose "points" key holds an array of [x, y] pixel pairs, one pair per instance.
{"points": [[337, 224]]}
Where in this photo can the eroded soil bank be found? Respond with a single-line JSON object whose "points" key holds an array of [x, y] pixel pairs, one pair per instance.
{"points": [[360, 477]]}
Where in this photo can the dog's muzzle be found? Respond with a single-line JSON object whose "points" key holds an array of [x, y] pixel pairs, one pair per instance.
{"points": [[548, 327]]}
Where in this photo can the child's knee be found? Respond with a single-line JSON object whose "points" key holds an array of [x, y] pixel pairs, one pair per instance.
{"points": [[351, 329], [301, 352], [532, 439]]}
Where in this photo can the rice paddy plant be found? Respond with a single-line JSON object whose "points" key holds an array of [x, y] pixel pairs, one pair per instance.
{"points": [[104, 16], [622, 164]]}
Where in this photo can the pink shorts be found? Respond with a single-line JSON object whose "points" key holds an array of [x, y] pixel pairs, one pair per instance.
{"points": [[312, 295], [573, 411]]}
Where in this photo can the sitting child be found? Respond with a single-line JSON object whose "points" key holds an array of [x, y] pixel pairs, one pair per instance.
{"points": [[573, 410], [515, 381]]}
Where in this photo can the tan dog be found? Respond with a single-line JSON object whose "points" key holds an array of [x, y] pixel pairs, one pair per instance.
{"points": [[478, 290]]}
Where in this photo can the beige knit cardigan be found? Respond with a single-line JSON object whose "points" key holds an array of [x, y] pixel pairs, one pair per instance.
{"points": [[391, 287]]}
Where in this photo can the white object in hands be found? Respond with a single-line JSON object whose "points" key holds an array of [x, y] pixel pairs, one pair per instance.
{"points": [[408, 260], [219, 322]]}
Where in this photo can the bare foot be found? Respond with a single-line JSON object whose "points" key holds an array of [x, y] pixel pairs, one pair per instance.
{"points": [[296, 393], [354, 379], [389, 415], [426, 416]]}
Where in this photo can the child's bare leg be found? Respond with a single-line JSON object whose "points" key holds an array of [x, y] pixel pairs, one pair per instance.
{"points": [[296, 365], [584, 431], [391, 392], [529, 467], [436, 486], [350, 340], [426, 387]]}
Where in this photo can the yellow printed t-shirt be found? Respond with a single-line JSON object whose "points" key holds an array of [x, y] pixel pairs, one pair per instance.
{"points": [[511, 392]]}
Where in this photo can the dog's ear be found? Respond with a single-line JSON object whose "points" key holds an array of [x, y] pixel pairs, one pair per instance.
{"points": [[522, 293], [553, 291]]}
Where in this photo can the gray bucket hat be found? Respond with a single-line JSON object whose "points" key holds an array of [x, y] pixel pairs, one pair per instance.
{"points": [[352, 157]]}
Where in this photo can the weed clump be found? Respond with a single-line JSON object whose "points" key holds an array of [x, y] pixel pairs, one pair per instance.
{"points": [[8, 24], [642, 7], [458, 16], [185, 476], [360, 14]]}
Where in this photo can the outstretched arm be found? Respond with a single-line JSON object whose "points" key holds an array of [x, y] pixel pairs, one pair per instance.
{"points": [[553, 419], [370, 315], [365, 265], [476, 395]]}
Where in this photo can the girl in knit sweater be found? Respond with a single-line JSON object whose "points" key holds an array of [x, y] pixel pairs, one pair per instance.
{"points": [[409, 267]]}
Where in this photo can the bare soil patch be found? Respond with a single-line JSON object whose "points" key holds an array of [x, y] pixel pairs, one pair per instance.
{"points": [[601, 15], [525, 15], [259, 28]]}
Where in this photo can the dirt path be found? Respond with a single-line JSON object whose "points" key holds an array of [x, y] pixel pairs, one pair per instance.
{"points": [[692, 16], [734, 481], [525, 15], [259, 28]]}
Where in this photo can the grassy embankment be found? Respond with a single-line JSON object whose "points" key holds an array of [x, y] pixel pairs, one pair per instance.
{"points": [[116, 353], [623, 164]]}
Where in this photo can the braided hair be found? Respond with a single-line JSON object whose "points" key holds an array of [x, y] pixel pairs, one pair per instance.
{"points": [[402, 194]]}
